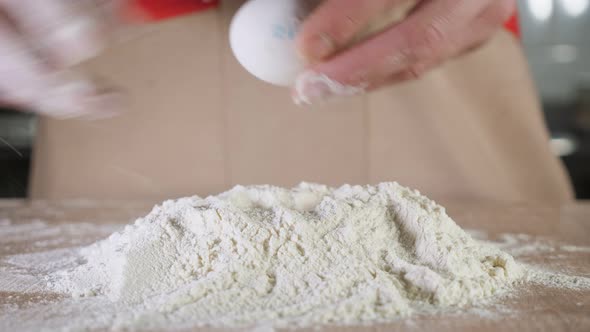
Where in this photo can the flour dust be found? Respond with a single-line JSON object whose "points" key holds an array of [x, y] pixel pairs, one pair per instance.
{"points": [[273, 257]]}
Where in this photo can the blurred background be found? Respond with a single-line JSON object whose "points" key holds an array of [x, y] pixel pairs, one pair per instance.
{"points": [[556, 38]]}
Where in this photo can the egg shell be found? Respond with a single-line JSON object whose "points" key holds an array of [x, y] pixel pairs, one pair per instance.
{"points": [[262, 38]]}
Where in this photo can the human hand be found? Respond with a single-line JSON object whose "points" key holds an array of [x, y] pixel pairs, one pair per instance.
{"points": [[39, 42], [433, 32]]}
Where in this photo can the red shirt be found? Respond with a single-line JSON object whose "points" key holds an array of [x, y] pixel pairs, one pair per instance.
{"points": [[155, 10]]}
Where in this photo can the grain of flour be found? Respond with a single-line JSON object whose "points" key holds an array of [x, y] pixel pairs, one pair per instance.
{"points": [[278, 257]]}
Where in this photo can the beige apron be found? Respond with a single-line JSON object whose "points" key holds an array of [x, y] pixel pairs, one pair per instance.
{"points": [[199, 124]]}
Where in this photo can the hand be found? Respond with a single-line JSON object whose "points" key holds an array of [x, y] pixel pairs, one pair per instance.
{"points": [[433, 32], [39, 41]]}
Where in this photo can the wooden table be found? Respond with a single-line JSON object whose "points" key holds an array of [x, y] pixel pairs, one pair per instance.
{"points": [[535, 309]]}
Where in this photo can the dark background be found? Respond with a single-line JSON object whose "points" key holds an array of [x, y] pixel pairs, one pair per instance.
{"points": [[556, 37], [17, 131]]}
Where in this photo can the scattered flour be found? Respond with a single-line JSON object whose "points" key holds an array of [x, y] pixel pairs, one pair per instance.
{"points": [[275, 257]]}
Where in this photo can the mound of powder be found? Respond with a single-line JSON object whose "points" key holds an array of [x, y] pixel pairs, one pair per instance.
{"points": [[306, 256]]}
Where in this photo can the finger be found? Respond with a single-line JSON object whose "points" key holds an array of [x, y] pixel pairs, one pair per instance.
{"points": [[414, 72], [70, 98], [421, 37], [336, 22], [67, 32], [482, 28]]}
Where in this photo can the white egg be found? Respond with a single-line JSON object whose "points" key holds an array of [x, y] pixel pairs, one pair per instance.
{"points": [[262, 37]]}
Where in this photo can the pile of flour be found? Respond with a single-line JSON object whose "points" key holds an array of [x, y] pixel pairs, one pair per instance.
{"points": [[305, 256]]}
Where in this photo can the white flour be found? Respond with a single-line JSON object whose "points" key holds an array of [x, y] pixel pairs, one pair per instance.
{"points": [[276, 257]]}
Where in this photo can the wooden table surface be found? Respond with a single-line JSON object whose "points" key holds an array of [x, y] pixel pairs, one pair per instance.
{"points": [[70, 224]]}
